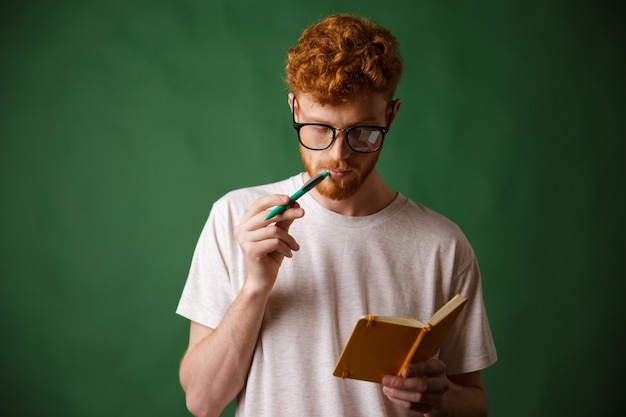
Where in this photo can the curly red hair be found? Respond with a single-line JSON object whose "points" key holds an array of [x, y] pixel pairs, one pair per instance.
{"points": [[342, 57]]}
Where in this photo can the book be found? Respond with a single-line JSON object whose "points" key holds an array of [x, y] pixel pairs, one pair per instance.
{"points": [[385, 345]]}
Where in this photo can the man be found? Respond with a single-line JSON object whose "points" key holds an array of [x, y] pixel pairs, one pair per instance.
{"points": [[268, 330]]}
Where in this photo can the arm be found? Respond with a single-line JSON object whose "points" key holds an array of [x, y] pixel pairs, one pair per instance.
{"points": [[424, 387], [216, 364]]}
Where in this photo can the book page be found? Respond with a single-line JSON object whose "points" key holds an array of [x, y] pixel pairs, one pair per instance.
{"points": [[407, 321], [446, 309]]}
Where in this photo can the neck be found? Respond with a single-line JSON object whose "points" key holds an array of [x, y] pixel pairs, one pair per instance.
{"points": [[373, 196]]}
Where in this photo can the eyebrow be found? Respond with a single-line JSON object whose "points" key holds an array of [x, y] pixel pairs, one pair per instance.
{"points": [[363, 122]]}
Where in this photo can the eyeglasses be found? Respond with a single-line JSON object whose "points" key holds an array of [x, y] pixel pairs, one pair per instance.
{"points": [[319, 136]]}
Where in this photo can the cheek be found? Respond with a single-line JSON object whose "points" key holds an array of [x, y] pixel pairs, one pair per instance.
{"points": [[369, 164], [313, 163], [305, 160]]}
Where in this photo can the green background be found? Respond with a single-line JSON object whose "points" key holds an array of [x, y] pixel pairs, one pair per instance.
{"points": [[122, 121]]}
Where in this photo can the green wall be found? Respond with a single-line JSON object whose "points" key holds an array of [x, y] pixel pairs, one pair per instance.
{"points": [[121, 122]]}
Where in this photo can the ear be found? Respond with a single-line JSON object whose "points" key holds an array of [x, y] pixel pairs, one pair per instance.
{"points": [[397, 104], [290, 98]]}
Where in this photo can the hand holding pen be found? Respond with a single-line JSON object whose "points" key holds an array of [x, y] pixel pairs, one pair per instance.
{"points": [[265, 247], [309, 185]]}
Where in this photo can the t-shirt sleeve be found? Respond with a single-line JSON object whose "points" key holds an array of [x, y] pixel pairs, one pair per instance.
{"points": [[469, 346], [208, 291], [217, 270]]}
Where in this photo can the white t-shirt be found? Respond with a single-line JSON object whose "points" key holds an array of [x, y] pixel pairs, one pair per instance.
{"points": [[405, 260]]}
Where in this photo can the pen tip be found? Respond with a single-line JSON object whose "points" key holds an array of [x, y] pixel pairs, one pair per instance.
{"points": [[325, 174]]}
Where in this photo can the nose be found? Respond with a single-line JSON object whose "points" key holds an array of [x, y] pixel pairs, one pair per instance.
{"points": [[340, 149]]}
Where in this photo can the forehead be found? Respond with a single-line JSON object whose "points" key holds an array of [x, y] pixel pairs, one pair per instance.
{"points": [[369, 107]]}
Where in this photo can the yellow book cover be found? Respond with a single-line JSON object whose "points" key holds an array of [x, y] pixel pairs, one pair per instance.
{"points": [[385, 345]]}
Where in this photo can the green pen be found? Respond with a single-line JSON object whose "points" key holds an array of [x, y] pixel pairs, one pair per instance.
{"points": [[308, 186]]}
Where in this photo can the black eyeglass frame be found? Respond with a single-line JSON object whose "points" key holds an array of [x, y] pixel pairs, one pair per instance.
{"points": [[383, 130]]}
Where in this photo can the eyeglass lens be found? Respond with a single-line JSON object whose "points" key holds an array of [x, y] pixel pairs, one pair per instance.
{"points": [[361, 139]]}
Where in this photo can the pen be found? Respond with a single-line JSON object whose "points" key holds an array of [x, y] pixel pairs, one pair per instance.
{"points": [[309, 185]]}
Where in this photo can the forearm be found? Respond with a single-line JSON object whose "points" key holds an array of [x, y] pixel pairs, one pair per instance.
{"points": [[462, 401], [215, 367]]}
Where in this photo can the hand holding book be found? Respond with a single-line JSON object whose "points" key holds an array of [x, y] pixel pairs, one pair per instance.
{"points": [[384, 345]]}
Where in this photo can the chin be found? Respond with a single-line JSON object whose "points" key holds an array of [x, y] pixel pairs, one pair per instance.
{"points": [[338, 192]]}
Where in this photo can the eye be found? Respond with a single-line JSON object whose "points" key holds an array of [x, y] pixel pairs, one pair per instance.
{"points": [[319, 129], [365, 135]]}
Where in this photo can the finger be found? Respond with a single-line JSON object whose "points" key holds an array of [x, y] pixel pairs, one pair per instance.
{"points": [[431, 367], [415, 402], [410, 400], [420, 401], [258, 243], [416, 390], [416, 384], [263, 204], [268, 247], [401, 403], [286, 218], [424, 376], [436, 384], [273, 235], [425, 398]]}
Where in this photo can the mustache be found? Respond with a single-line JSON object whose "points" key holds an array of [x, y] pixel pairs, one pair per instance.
{"points": [[343, 165]]}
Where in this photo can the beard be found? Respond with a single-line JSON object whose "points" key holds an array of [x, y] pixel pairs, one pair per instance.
{"points": [[340, 189]]}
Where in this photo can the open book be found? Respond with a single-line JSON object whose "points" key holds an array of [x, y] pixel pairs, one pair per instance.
{"points": [[381, 345]]}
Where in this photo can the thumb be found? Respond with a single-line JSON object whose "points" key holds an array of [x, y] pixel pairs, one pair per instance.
{"points": [[286, 224]]}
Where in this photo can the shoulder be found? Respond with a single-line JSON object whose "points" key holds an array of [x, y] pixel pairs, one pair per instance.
{"points": [[429, 221], [430, 228]]}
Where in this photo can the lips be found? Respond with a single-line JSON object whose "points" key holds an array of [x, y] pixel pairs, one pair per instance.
{"points": [[338, 173]]}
